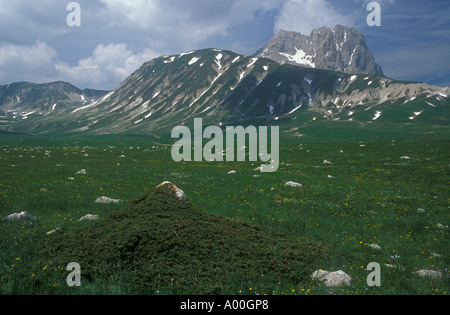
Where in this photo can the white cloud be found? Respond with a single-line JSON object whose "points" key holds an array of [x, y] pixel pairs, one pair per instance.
{"points": [[305, 15], [116, 36], [27, 63], [188, 24], [110, 64], [106, 68]]}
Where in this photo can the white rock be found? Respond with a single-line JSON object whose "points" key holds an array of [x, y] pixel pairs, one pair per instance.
{"points": [[332, 279], [104, 199], [82, 172], [326, 162], [22, 216], [232, 172], [429, 273], [52, 231], [391, 265], [441, 226], [177, 191], [405, 158], [374, 246], [293, 184], [89, 217]]}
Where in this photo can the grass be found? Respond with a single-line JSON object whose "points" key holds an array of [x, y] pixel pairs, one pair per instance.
{"points": [[368, 195]]}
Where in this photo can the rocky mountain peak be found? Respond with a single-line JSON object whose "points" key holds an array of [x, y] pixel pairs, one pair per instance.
{"points": [[342, 49]]}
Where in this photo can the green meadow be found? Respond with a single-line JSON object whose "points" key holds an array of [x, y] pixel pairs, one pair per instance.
{"points": [[383, 187]]}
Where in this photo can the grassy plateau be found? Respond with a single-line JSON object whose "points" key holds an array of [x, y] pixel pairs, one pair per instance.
{"points": [[240, 234]]}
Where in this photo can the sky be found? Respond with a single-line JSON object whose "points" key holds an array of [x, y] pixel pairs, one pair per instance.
{"points": [[116, 37]]}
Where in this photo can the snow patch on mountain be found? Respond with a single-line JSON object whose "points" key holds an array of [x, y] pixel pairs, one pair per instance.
{"points": [[377, 115], [300, 57], [193, 60]]}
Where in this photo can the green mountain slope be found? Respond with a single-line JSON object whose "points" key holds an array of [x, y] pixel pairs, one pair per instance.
{"points": [[23, 105], [225, 88]]}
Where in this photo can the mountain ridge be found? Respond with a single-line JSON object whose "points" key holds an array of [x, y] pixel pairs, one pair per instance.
{"points": [[226, 88], [20, 101], [342, 49]]}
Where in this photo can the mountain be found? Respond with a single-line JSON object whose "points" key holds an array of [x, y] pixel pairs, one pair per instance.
{"points": [[225, 88], [342, 49], [24, 101]]}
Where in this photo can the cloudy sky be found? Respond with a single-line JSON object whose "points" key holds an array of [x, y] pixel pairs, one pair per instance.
{"points": [[117, 36]]}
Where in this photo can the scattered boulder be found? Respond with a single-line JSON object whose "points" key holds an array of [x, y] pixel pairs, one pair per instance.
{"points": [[391, 266], [82, 172], [332, 279], [232, 172], [374, 246], [22, 216], [429, 273], [89, 217], [405, 158], [441, 226], [293, 184], [326, 162], [104, 199], [177, 191], [52, 231]]}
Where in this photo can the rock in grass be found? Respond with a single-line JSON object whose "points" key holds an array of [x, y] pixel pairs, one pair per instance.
{"points": [[332, 279], [82, 172], [22, 216], [374, 246], [441, 226], [174, 189], [104, 199], [89, 217], [429, 273], [52, 231], [293, 184], [232, 172]]}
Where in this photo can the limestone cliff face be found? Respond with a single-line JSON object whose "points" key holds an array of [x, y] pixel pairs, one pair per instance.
{"points": [[342, 49]]}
